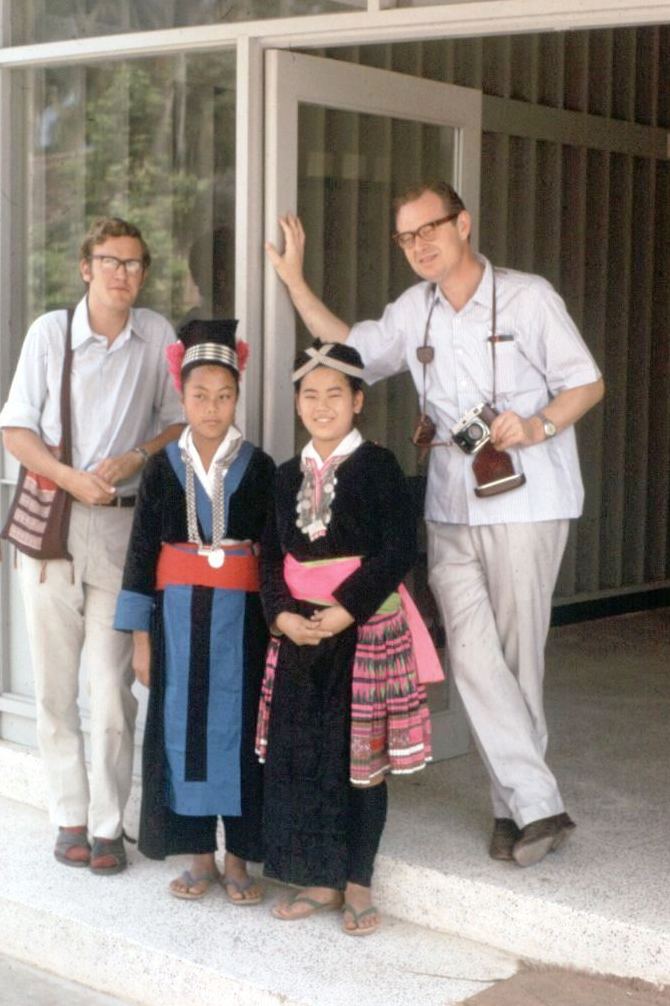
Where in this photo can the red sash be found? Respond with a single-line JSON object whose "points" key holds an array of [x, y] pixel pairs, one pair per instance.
{"points": [[181, 564]]}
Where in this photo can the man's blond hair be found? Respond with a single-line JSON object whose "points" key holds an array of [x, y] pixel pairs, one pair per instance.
{"points": [[447, 193]]}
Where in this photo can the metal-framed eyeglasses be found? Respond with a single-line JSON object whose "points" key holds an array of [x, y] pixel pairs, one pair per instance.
{"points": [[406, 239], [111, 264]]}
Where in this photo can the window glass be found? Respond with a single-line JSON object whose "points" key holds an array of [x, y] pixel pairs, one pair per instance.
{"points": [[51, 20], [152, 141]]}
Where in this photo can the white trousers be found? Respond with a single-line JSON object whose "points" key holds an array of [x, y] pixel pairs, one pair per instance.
{"points": [[494, 584], [69, 614]]}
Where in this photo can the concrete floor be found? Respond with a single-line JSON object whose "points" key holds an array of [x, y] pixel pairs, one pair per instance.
{"points": [[602, 901]]}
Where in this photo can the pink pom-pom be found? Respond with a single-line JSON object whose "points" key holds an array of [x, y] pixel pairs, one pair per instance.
{"points": [[242, 350], [175, 355]]}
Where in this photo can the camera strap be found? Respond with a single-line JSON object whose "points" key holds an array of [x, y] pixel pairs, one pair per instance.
{"points": [[425, 353], [493, 338]]}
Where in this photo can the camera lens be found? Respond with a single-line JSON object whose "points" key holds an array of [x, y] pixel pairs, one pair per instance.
{"points": [[475, 432]]}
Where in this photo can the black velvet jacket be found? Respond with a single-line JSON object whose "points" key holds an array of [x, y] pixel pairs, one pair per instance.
{"points": [[160, 515], [372, 517]]}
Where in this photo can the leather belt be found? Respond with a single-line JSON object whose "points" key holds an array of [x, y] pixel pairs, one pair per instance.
{"points": [[120, 501]]}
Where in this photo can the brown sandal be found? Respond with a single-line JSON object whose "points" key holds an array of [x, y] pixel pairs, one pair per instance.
{"points": [[112, 847], [67, 840]]}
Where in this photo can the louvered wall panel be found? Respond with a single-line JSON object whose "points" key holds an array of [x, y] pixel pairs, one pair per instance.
{"points": [[657, 551], [594, 325], [616, 374], [638, 371]]}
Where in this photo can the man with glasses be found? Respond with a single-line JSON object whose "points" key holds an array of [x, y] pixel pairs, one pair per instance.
{"points": [[123, 409], [470, 334]]}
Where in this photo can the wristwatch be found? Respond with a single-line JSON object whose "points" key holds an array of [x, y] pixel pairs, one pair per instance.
{"points": [[547, 425], [145, 453]]}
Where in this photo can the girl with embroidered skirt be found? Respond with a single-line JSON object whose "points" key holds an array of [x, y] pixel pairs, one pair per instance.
{"points": [[342, 703], [190, 597]]}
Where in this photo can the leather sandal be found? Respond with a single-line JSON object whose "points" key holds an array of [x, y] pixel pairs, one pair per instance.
{"points": [[109, 847], [72, 840]]}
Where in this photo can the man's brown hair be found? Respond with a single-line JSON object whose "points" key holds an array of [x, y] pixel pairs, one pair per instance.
{"points": [[112, 227], [447, 193]]}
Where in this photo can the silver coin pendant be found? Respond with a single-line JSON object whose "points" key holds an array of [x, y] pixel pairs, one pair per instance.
{"points": [[216, 558]]}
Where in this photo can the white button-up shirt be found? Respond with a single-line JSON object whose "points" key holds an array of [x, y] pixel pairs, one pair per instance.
{"points": [[540, 355], [121, 394], [208, 477], [347, 445]]}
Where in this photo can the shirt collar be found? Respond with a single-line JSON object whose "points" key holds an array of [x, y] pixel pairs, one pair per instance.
{"points": [[82, 331], [484, 292], [186, 443], [482, 295], [352, 441]]}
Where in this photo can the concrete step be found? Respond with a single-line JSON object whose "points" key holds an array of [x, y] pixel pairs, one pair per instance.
{"points": [[21, 985], [125, 936], [596, 905]]}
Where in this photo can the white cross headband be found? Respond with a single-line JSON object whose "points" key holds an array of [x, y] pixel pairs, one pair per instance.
{"points": [[321, 358]]}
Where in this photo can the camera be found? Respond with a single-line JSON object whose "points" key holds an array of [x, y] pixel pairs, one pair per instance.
{"points": [[473, 430], [493, 469]]}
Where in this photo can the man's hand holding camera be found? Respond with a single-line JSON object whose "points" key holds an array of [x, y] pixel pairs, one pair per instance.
{"points": [[508, 429]]}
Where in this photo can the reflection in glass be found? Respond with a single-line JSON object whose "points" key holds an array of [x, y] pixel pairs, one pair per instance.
{"points": [[149, 140], [351, 166], [52, 20]]}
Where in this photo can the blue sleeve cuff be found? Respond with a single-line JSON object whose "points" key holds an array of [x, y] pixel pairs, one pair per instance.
{"points": [[133, 611]]}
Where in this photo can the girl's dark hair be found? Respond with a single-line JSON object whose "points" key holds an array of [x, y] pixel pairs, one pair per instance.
{"points": [[340, 351]]}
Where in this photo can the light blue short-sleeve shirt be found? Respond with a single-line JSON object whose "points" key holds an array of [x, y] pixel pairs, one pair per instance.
{"points": [[540, 355], [121, 394]]}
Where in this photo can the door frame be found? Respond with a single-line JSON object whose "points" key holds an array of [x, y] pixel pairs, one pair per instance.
{"points": [[294, 78]]}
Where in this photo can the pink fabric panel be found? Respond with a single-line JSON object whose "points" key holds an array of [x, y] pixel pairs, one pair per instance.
{"points": [[318, 582]]}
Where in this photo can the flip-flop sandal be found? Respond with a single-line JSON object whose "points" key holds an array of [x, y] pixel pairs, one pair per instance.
{"points": [[315, 906], [71, 840], [189, 880], [240, 886], [357, 916], [113, 847]]}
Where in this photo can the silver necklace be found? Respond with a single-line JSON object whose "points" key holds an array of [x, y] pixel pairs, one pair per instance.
{"points": [[314, 502], [215, 553]]}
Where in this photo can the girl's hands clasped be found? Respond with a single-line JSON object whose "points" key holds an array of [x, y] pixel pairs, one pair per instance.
{"points": [[335, 619], [302, 631], [323, 624]]}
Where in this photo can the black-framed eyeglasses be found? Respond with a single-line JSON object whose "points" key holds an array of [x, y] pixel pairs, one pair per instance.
{"points": [[110, 264], [406, 239]]}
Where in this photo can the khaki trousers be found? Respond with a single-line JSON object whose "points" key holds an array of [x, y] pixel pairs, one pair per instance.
{"points": [[69, 614], [494, 584]]}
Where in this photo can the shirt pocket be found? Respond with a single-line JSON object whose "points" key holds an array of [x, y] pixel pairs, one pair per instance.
{"points": [[506, 364]]}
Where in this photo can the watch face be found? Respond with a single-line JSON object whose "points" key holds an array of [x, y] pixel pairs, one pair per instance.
{"points": [[549, 428]]}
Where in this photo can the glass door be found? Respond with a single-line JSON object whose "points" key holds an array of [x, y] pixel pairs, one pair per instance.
{"points": [[341, 141]]}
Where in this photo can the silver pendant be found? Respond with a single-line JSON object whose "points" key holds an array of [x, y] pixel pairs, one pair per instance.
{"points": [[316, 529], [216, 558]]}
